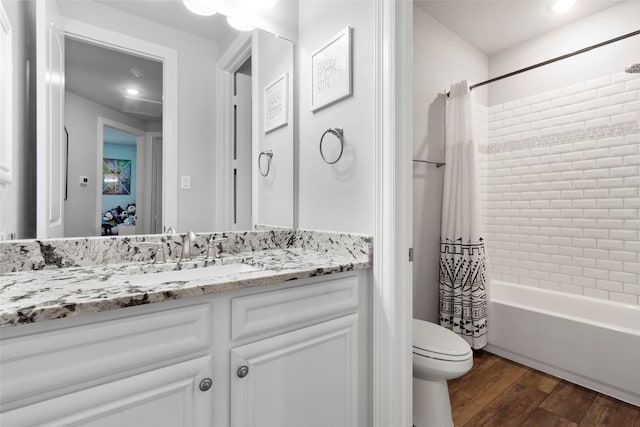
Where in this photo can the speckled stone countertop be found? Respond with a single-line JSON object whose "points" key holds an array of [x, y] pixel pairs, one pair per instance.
{"points": [[51, 279]]}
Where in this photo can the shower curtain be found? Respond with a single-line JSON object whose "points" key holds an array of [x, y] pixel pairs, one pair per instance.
{"points": [[463, 300]]}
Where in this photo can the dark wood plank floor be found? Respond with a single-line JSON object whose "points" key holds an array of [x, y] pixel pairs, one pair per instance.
{"points": [[501, 393]]}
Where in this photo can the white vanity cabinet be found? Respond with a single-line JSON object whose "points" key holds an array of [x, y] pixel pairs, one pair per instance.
{"points": [[301, 344], [304, 377], [308, 377], [137, 370]]}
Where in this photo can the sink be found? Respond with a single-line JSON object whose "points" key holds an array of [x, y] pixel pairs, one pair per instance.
{"points": [[210, 272]]}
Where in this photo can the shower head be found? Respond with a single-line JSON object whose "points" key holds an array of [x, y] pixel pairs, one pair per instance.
{"points": [[633, 69]]}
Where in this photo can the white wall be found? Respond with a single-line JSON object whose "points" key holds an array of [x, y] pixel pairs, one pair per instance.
{"points": [[82, 125], [197, 59], [337, 197], [271, 57], [615, 21], [18, 201], [441, 58]]}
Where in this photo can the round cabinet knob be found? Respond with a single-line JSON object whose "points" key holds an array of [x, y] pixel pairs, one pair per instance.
{"points": [[243, 371], [206, 384]]}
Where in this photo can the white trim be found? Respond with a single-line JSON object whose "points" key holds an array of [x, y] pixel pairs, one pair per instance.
{"points": [[235, 55], [169, 58], [101, 123], [6, 130], [392, 292]]}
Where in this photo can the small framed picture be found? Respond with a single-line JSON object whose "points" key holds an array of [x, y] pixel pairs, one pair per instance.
{"points": [[276, 103], [331, 71]]}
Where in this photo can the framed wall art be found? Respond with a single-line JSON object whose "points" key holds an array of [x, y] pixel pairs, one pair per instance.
{"points": [[116, 176], [276, 103], [331, 71]]}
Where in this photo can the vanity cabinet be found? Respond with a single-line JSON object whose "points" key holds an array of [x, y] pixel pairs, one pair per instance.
{"points": [[134, 370], [288, 354], [303, 377], [167, 396]]}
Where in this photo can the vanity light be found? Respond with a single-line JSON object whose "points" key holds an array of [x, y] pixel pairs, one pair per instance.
{"points": [[562, 5], [132, 91], [197, 7], [239, 25]]}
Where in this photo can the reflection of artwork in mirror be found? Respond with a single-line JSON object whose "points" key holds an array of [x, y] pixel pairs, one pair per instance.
{"points": [[116, 176], [276, 97], [331, 70]]}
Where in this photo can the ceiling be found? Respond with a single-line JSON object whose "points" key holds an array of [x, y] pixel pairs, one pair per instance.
{"points": [[173, 13], [492, 26], [118, 137], [102, 75]]}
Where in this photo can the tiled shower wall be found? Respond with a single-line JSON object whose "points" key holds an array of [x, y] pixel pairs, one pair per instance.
{"points": [[561, 179]]}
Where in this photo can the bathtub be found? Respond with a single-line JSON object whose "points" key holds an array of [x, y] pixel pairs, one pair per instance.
{"points": [[591, 342]]}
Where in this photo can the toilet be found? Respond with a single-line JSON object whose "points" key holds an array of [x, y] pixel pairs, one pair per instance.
{"points": [[438, 355]]}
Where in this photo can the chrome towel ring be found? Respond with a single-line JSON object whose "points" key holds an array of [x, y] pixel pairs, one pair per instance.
{"points": [[269, 155], [338, 133]]}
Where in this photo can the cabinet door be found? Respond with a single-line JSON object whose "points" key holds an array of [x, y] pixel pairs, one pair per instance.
{"points": [[167, 396], [308, 377]]}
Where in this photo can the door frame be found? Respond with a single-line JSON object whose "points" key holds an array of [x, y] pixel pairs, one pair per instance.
{"points": [[140, 141], [169, 58], [392, 302], [235, 55]]}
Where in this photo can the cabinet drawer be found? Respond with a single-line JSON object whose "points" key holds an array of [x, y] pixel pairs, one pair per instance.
{"points": [[167, 396], [284, 310], [44, 365]]}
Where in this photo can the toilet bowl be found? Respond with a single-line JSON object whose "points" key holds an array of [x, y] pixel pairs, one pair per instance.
{"points": [[438, 355]]}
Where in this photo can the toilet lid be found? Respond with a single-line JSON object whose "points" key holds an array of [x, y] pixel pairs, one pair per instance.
{"points": [[434, 341]]}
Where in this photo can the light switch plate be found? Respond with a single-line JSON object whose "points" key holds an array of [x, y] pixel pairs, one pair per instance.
{"points": [[84, 180], [185, 182]]}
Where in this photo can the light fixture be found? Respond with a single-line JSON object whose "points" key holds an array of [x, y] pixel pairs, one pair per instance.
{"points": [[198, 8], [562, 5], [132, 91], [137, 72], [239, 25]]}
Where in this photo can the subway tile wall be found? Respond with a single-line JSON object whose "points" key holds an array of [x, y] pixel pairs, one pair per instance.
{"points": [[560, 176]]}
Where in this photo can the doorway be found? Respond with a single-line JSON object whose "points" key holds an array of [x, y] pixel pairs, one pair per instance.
{"points": [[121, 94], [242, 146], [119, 183]]}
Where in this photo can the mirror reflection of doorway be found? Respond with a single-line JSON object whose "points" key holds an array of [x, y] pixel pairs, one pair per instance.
{"points": [[242, 149], [115, 99], [119, 165]]}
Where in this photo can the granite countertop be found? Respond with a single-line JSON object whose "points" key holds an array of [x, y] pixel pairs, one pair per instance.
{"points": [[35, 295]]}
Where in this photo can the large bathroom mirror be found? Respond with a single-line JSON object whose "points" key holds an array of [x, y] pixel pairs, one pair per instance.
{"points": [[142, 117]]}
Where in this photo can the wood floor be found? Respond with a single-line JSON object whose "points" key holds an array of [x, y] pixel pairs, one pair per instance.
{"points": [[501, 393]]}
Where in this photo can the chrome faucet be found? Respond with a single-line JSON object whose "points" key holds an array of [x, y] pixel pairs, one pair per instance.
{"points": [[189, 238], [214, 250]]}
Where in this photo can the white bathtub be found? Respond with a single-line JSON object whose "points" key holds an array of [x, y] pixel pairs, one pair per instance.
{"points": [[591, 342]]}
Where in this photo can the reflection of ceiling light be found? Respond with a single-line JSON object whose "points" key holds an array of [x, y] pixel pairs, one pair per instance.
{"points": [[137, 72], [197, 7], [239, 25], [562, 5], [260, 4], [132, 91]]}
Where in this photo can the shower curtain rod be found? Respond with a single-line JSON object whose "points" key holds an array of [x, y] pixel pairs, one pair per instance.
{"points": [[556, 59]]}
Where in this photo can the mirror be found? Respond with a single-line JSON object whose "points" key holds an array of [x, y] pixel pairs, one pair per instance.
{"points": [[209, 178]]}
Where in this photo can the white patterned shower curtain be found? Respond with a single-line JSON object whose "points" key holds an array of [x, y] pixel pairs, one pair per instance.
{"points": [[463, 299]]}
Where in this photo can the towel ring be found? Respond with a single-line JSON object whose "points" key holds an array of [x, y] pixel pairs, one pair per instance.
{"points": [[338, 133], [269, 155]]}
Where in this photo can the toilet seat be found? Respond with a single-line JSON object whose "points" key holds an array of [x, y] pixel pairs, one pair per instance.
{"points": [[436, 342]]}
